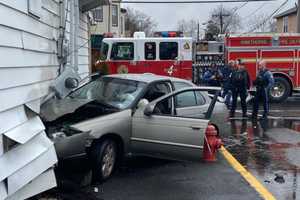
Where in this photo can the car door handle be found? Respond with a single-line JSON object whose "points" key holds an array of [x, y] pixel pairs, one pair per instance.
{"points": [[195, 127]]}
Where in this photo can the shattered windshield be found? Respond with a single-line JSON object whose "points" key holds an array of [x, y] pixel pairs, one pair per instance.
{"points": [[118, 93]]}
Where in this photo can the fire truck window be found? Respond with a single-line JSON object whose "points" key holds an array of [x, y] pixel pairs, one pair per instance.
{"points": [[122, 51], [168, 50], [150, 51], [104, 51]]}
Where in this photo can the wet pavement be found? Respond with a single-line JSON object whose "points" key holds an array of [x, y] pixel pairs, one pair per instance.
{"points": [[269, 149]]}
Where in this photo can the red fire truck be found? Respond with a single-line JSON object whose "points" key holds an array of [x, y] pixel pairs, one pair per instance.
{"points": [[170, 56], [280, 51], [173, 56]]}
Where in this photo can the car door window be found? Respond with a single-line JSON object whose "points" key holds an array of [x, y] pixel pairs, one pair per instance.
{"points": [[163, 107], [157, 90], [200, 98], [186, 99]]}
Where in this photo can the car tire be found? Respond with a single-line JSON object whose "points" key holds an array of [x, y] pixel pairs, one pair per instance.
{"points": [[104, 159], [280, 91]]}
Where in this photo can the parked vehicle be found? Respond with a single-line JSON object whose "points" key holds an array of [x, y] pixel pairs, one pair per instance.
{"points": [[118, 115]]}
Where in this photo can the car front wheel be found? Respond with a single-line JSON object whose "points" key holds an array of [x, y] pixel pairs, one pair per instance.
{"points": [[104, 157]]}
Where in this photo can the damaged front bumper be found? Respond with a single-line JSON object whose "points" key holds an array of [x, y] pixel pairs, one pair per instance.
{"points": [[69, 146]]}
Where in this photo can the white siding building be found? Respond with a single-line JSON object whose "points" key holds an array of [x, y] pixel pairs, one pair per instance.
{"points": [[29, 32]]}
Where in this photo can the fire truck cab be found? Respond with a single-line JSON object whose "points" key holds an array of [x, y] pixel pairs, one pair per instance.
{"points": [[280, 51], [161, 56]]}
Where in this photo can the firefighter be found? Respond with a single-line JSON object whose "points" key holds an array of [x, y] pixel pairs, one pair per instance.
{"points": [[213, 76], [227, 71], [240, 83], [263, 82]]}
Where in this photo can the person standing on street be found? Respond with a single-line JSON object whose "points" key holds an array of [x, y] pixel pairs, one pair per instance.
{"points": [[263, 82], [213, 76], [240, 83], [227, 72]]}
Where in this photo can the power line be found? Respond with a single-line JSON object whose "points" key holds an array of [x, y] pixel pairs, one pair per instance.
{"points": [[188, 2], [261, 6], [234, 12], [268, 18]]}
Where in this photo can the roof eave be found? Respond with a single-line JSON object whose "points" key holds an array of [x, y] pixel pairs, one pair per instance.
{"points": [[86, 5]]}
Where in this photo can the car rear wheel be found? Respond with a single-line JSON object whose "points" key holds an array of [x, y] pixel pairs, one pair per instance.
{"points": [[104, 157], [280, 91]]}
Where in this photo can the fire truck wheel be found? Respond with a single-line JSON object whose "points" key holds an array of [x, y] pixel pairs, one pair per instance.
{"points": [[280, 91]]}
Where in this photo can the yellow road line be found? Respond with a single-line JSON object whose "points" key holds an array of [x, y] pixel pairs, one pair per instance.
{"points": [[247, 176]]}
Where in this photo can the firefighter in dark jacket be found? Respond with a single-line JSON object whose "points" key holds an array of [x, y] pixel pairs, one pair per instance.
{"points": [[213, 76], [227, 71], [263, 82], [240, 83]]}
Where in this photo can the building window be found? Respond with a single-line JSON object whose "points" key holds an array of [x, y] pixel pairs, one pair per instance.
{"points": [[98, 14], [150, 51], [114, 15], [122, 51], [285, 24], [168, 50]]}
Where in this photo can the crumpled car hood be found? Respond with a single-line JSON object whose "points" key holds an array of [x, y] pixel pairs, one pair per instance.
{"points": [[55, 108]]}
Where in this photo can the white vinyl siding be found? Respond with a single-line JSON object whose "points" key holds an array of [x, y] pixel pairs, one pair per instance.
{"points": [[28, 66]]}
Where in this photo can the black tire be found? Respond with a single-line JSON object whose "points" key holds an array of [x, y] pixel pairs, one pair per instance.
{"points": [[280, 91], [104, 159]]}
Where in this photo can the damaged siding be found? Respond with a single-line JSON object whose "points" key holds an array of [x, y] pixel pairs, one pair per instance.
{"points": [[28, 65]]}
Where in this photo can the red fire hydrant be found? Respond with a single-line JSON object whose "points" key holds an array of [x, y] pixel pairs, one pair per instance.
{"points": [[211, 144]]}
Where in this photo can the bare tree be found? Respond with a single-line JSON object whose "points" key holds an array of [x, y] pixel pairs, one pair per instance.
{"points": [[139, 21], [262, 23], [188, 27], [223, 20]]}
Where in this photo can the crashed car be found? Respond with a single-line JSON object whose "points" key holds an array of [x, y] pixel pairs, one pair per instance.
{"points": [[130, 114]]}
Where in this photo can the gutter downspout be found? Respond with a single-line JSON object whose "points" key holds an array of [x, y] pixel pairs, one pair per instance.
{"points": [[76, 30], [72, 32], [60, 42]]}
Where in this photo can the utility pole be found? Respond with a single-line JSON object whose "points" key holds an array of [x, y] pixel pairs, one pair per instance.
{"points": [[221, 16], [298, 17], [198, 30]]}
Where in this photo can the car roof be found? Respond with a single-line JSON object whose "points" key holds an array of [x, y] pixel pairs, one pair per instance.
{"points": [[147, 78]]}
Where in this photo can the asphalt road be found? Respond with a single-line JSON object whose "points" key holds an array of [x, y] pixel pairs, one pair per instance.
{"points": [[269, 149]]}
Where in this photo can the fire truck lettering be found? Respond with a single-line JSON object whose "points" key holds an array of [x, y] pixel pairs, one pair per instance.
{"points": [[255, 42], [290, 41]]}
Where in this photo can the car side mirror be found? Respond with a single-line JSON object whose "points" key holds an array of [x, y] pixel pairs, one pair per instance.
{"points": [[148, 111], [142, 103]]}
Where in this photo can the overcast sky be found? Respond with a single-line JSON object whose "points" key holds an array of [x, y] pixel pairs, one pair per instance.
{"points": [[167, 15]]}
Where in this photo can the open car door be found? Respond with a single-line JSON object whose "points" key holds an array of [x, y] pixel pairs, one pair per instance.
{"points": [[158, 131]]}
